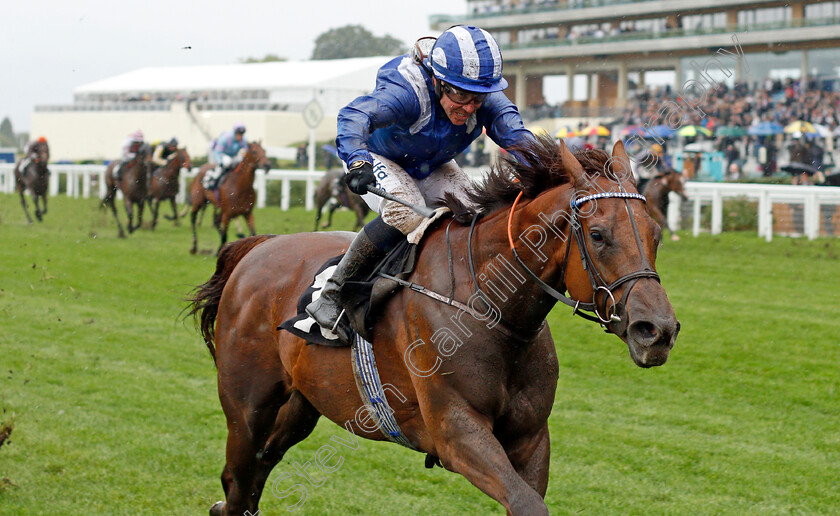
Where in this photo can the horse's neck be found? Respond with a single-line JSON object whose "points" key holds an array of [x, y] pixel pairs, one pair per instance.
{"points": [[174, 166], [247, 170], [517, 295]]}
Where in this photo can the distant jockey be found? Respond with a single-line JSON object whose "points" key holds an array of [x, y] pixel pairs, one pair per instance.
{"points": [[131, 147], [164, 151], [227, 152]]}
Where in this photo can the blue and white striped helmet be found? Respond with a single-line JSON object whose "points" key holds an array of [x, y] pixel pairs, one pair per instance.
{"points": [[469, 58]]}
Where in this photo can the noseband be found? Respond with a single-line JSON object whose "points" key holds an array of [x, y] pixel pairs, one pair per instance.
{"points": [[613, 322]]}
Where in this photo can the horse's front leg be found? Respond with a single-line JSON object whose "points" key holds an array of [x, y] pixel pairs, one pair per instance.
{"points": [[332, 207], [193, 216], [360, 217], [249, 219], [140, 207], [23, 203], [109, 201], [223, 229], [44, 202], [174, 211], [154, 206], [466, 445], [530, 455], [37, 203]]}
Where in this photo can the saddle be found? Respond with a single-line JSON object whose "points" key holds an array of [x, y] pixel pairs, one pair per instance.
{"points": [[360, 298]]}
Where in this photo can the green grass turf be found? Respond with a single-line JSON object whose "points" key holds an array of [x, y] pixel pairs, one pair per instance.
{"points": [[114, 404]]}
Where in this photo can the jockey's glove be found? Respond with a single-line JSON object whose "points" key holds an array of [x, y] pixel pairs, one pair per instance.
{"points": [[359, 176], [226, 160]]}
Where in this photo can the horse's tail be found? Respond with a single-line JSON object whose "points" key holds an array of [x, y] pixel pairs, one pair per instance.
{"points": [[204, 301]]}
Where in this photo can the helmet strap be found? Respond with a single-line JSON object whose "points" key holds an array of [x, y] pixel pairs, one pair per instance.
{"points": [[418, 55]]}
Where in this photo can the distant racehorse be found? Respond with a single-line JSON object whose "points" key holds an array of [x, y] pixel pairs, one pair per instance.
{"points": [[333, 193], [132, 182], [656, 191], [235, 196], [163, 184], [33, 175]]}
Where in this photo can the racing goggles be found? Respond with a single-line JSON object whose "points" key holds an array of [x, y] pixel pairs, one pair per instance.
{"points": [[459, 96]]}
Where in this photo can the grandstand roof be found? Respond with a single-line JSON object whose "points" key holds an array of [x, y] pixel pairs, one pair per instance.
{"points": [[356, 73]]}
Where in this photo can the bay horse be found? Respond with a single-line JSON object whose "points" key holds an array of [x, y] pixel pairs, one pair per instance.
{"points": [[132, 183], [34, 176], [163, 184], [582, 228], [656, 191], [332, 182], [234, 197]]}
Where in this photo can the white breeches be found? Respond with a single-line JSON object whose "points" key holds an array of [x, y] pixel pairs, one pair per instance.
{"points": [[393, 179]]}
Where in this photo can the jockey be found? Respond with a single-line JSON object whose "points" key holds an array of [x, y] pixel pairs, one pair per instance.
{"points": [[227, 151], [31, 152], [132, 145], [164, 151], [404, 137]]}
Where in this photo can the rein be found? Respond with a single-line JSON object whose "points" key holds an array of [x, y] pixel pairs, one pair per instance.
{"points": [[609, 317]]}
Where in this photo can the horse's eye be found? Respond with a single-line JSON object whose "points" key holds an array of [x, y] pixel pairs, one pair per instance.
{"points": [[596, 236]]}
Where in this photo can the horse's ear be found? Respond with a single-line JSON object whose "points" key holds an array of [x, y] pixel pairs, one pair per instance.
{"points": [[570, 163], [620, 163]]}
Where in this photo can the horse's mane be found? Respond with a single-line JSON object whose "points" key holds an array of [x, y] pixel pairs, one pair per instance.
{"points": [[539, 168]]}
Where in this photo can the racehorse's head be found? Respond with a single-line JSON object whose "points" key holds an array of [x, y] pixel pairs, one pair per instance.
{"points": [[256, 150], [676, 183], [617, 242], [183, 158], [42, 153]]}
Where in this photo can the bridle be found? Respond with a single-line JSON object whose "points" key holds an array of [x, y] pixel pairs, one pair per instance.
{"points": [[606, 315]]}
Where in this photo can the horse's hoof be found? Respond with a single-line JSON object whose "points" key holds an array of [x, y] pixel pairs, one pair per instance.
{"points": [[240, 235], [193, 250], [217, 509], [121, 235]]}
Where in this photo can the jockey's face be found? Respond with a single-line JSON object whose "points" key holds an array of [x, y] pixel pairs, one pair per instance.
{"points": [[458, 113], [237, 137]]}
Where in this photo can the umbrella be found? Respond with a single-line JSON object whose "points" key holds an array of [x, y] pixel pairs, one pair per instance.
{"points": [[765, 129], [594, 130], [706, 146], [631, 130], [661, 131], [691, 131], [800, 127], [565, 132], [731, 131], [822, 130], [539, 131], [796, 167]]}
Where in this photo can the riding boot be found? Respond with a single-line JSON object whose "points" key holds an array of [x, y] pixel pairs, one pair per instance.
{"points": [[355, 264]]}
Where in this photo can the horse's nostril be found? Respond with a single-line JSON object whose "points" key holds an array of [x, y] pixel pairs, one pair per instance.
{"points": [[643, 331]]}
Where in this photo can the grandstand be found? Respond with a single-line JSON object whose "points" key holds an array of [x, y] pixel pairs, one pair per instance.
{"points": [[196, 103], [613, 44]]}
